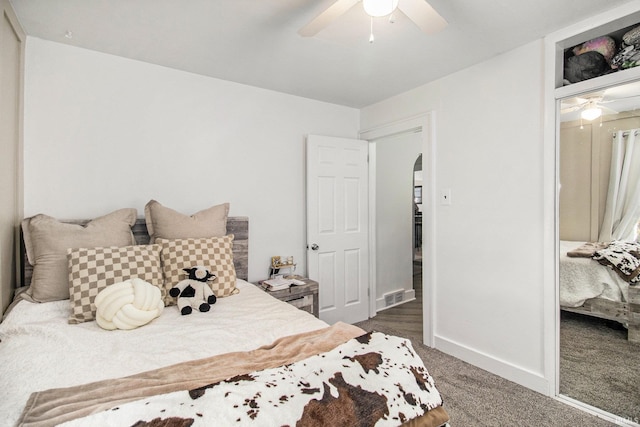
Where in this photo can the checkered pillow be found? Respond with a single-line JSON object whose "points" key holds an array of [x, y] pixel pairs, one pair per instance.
{"points": [[214, 253], [92, 270]]}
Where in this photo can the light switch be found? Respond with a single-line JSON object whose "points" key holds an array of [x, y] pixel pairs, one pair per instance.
{"points": [[445, 196]]}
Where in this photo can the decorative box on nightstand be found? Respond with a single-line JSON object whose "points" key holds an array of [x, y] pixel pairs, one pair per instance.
{"points": [[304, 297]]}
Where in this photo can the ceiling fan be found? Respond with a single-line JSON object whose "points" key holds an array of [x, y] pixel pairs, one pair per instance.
{"points": [[419, 11], [613, 100], [590, 108]]}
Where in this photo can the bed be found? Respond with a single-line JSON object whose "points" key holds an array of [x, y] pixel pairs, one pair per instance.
{"points": [[589, 288], [250, 360]]}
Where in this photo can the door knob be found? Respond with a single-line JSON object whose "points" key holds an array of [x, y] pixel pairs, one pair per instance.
{"points": [[314, 247]]}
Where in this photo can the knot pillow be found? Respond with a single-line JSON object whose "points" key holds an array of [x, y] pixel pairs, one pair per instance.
{"points": [[128, 304]]}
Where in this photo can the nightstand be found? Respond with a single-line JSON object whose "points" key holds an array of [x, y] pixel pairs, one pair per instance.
{"points": [[304, 297]]}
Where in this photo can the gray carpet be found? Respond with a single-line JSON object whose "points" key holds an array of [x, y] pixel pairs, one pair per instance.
{"points": [[599, 366], [474, 397]]}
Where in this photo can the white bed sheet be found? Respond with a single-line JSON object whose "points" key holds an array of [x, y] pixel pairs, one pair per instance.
{"points": [[39, 350], [584, 278]]}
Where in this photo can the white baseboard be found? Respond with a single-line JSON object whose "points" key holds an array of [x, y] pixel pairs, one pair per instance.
{"points": [[409, 295], [518, 375]]}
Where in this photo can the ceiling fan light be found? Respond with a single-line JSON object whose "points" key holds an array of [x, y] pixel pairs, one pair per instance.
{"points": [[591, 113], [378, 8]]}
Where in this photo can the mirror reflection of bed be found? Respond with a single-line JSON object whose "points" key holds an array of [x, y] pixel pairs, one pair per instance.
{"points": [[599, 215]]}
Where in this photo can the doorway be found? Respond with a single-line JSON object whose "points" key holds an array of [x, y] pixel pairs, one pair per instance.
{"points": [[397, 233], [417, 212], [417, 228], [395, 212], [422, 128]]}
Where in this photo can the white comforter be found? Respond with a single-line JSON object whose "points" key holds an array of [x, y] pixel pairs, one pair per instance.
{"points": [[40, 350], [584, 278]]}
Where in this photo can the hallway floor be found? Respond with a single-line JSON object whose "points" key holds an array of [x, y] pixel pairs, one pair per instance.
{"points": [[408, 316]]}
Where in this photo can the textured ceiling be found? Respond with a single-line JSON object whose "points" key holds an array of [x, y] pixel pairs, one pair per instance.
{"points": [[255, 42]]}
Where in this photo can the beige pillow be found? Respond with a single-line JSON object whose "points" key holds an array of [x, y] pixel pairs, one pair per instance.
{"points": [[47, 240], [165, 223], [93, 269], [215, 253]]}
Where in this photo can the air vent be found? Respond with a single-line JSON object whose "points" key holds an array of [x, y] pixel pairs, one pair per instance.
{"points": [[389, 299], [393, 298], [399, 296]]}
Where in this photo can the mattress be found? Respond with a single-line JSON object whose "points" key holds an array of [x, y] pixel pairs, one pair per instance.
{"points": [[583, 278]]}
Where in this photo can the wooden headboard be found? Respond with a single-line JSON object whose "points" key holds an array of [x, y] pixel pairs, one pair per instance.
{"points": [[236, 225]]}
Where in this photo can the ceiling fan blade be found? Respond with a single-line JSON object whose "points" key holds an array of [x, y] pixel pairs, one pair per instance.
{"points": [[570, 109], [423, 15], [572, 104], [326, 17], [621, 98]]}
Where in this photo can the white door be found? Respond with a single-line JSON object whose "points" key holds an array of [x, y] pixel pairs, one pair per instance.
{"points": [[338, 226]]}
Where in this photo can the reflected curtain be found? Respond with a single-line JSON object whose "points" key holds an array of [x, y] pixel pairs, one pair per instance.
{"points": [[622, 210]]}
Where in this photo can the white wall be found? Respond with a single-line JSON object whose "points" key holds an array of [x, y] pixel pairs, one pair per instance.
{"points": [[104, 132], [395, 159], [489, 241]]}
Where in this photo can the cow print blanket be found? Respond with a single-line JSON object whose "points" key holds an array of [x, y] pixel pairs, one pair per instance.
{"points": [[623, 258], [375, 379]]}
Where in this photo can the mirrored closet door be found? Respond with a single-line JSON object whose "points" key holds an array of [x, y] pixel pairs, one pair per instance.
{"points": [[599, 220]]}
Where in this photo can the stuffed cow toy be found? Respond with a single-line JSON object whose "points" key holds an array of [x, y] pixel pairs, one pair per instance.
{"points": [[194, 292]]}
